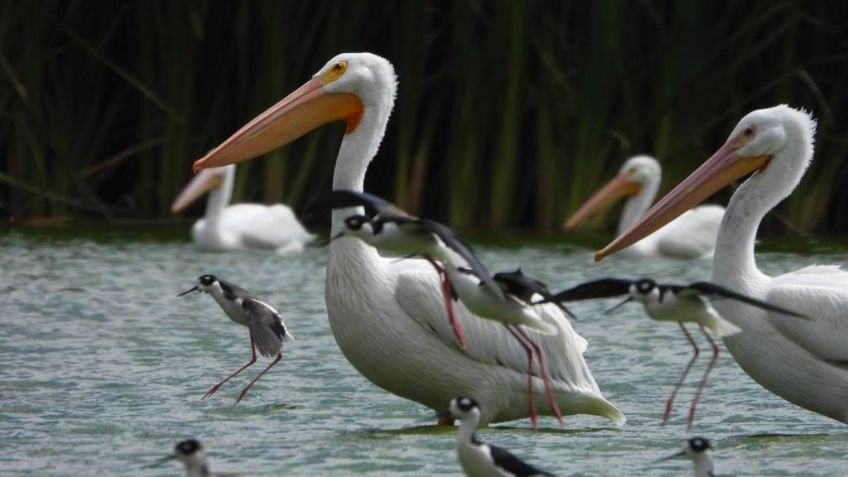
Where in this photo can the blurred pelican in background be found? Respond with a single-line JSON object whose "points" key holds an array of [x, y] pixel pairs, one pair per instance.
{"points": [[227, 227], [692, 235]]}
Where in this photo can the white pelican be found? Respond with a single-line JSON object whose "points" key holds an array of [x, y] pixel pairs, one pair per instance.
{"points": [[692, 235], [802, 361], [264, 323], [505, 297], [240, 226], [388, 317]]}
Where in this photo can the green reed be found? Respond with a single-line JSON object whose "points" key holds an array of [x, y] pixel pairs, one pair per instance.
{"points": [[509, 113]]}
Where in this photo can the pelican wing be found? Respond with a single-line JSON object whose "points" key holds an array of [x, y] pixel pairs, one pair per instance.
{"points": [[418, 293], [603, 288], [713, 291], [821, 293], [693, 234]]}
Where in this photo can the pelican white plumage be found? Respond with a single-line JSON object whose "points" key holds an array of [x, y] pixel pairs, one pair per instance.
{"points": [[388, 317], [240, 226], [802, 361], [692, 235]]}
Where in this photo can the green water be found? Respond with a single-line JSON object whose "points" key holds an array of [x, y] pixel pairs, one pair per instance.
{"points": [[103, 369]]}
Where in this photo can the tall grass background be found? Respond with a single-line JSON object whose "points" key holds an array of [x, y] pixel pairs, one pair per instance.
{"points": [[509, 113]]}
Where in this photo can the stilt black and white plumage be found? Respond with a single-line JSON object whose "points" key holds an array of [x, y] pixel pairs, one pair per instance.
{"points": [[515, 309], [191, 453], [479, 459], [391, 229], [700, 452], [388, 227], [680, 303], [265, 324]]}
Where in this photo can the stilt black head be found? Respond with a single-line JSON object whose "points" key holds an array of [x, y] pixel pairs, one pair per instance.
{"points": [[355, 222], [699, 444], [645, 286], [187, 447]]}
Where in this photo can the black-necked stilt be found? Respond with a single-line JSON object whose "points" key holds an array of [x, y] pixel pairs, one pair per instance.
{"points": [[477, 458], [389, 228], [191, 453], [680, 303], [699, 451], [265, 324], [513, 309]]}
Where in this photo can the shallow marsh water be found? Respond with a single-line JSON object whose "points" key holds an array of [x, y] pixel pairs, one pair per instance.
{"points": [[103, 369]]}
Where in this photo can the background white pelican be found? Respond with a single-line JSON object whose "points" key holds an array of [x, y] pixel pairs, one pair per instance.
{"points": [[802, 361], [692, 235], [239, 226], [388, 317]]}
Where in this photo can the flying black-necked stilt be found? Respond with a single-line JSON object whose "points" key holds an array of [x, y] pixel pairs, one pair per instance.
{"points": [[477, 458], [513, 309], [504, 297], [680, 303], [389, 228], [700, 452], [265, 324], [191, 453]]}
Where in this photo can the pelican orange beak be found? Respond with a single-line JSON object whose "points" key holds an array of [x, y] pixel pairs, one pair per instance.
{"points": [[724, 167], [199, 185], [620, 186], [298, 113]]}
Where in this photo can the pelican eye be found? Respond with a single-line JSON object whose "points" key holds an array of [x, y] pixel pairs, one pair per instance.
{"points": [[335, 72], [748, 133]]}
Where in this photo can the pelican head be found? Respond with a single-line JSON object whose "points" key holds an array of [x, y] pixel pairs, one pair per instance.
{"points": [[758, 138], [342, 90], [638, 175], [219, 178]]}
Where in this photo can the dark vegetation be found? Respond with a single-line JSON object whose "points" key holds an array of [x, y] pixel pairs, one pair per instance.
{"points": [[509, 113]]}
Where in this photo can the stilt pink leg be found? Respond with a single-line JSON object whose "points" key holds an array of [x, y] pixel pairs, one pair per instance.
{"points": [[244, 390], [546, 378], [534, 416], [214, 388], [446, 295], [704, 380], [670, 400]]}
